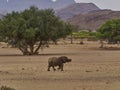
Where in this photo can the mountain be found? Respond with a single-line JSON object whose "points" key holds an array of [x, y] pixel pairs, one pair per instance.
{"points": [[83, 15], [75, 9], [93, 20], [18, 5], [1, 15]]}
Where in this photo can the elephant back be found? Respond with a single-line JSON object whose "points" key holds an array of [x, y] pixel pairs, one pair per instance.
{"points": [[54, 61]]}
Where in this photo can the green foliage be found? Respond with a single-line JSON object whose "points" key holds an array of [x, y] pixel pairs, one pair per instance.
{"points": [[6, 88], [110, 31], [32, 26], [85, 34]]}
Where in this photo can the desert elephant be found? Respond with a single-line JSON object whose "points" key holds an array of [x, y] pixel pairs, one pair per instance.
{"points": [[57, 61]]}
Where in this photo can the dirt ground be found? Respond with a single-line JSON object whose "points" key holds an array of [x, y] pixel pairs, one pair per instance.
{"points": [[90, 69]]}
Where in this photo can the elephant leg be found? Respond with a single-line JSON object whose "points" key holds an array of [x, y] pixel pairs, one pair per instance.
{"points": [[48, 68], [53, 68], [61, 67]]}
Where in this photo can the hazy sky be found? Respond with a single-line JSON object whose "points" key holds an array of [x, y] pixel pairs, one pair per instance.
{"points": [[104, 4]]}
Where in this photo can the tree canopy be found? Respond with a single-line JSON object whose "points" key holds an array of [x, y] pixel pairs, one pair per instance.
{"points": [[110, 31], [32, 27]]}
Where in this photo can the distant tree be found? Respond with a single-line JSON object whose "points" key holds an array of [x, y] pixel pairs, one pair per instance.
{"points": [[70, 28], [110, 31], [32, 27]]}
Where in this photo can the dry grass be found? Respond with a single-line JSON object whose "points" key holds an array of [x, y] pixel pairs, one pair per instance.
{"points": [[91, 69]]}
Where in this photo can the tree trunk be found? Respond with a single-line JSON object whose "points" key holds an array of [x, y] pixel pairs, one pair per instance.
{"points": [[102, 44], [36, 51], [71, 38], [24, 51], [31, 49]]}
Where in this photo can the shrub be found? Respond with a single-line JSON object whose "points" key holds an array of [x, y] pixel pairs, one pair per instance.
{"points": [[6, 88]]}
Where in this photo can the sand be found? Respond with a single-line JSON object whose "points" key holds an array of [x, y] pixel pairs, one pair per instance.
{"points": [[90, 69]]}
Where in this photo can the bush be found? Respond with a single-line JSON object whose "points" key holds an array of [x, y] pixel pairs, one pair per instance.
{"points": [[84, 34], [81, 42], [6, 88]]}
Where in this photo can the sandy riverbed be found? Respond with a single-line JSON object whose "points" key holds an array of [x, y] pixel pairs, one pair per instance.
{"points": [[90, 69]]}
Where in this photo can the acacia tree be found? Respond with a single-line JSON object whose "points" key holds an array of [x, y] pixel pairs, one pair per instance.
{"points": [[110, 31], [32, 27]]}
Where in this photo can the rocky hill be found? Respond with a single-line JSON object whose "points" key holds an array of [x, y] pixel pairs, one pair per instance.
{"points": [[83, 15], [75, 9], [93, 20]]}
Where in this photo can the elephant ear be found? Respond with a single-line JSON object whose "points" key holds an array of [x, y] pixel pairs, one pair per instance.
{"points": [[63, 59]]}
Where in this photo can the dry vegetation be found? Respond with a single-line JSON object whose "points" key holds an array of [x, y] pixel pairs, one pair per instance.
{"points": [[91, 69]]}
